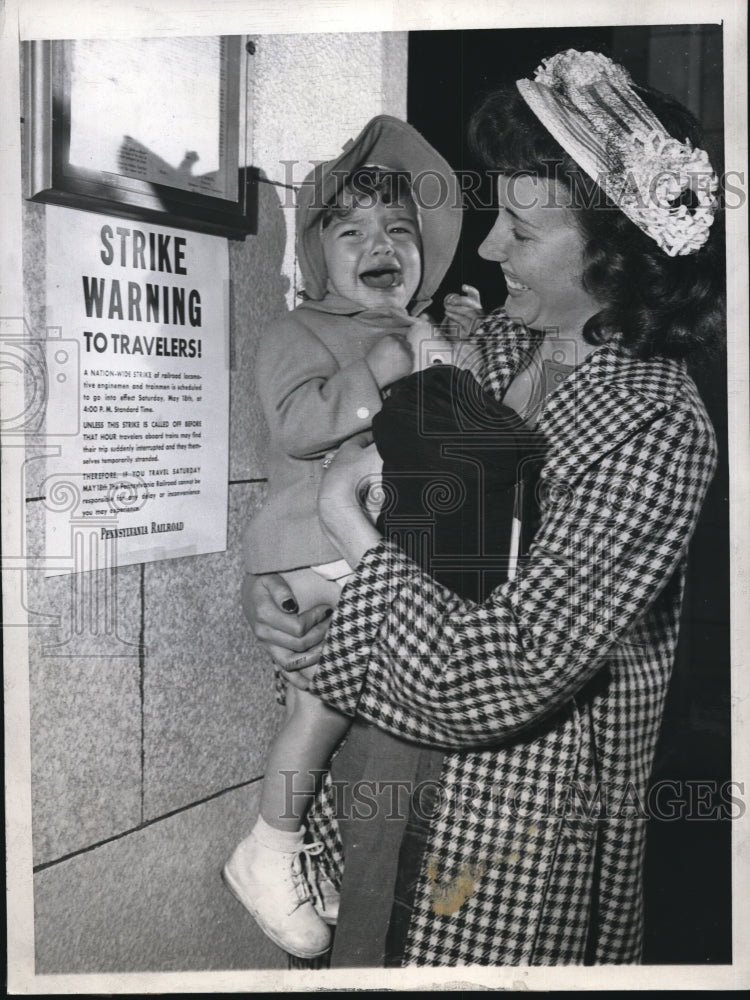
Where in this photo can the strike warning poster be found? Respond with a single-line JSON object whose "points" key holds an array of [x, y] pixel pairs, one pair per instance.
{"points": [[138, 383]]}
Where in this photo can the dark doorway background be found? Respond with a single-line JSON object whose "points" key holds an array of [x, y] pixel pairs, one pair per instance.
{"points": [[688, 861]]}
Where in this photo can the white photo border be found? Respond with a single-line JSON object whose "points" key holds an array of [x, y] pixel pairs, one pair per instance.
{"points": [[29, 19]]}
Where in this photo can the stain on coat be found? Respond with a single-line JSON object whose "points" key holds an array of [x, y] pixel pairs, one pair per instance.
{"points": [[450, 895]]}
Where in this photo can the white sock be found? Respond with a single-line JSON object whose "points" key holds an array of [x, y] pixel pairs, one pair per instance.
{"points": [[285, 841]]}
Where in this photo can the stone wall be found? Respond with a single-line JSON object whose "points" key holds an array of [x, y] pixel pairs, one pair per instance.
{"points": [[147, 752]]}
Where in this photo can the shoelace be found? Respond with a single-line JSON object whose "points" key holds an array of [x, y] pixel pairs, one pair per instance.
{"points": [[302, 869]]}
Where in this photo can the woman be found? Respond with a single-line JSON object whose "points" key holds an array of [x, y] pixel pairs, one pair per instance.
{"points": [[543, 702]]}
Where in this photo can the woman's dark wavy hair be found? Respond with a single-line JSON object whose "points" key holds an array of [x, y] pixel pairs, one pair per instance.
{"points": [[671, 306]]}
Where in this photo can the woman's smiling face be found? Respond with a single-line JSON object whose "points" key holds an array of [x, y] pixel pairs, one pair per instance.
{"points": [[540, 250]]}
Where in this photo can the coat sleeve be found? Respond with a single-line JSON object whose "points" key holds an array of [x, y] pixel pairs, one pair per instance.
{"points": [[411, 657], [311, 403]]}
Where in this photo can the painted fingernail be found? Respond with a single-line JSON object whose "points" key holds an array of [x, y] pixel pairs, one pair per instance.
{"points": [[289, 605], [327, 613]]}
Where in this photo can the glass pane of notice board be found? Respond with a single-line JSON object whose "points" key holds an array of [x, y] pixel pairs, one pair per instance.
{"points": [[144, 128]]}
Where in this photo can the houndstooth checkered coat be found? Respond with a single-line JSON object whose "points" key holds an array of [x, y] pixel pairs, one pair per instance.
{"points": [[550, 694]]}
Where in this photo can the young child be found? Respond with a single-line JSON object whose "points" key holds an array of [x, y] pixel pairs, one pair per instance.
{"points": [[377, 229]]}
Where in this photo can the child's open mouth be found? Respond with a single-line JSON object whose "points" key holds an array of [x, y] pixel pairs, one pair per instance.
{"points": [[382, 277]]}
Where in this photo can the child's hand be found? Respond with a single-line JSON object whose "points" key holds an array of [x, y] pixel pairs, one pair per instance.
{"points": [[390, 359], [463, 312]]}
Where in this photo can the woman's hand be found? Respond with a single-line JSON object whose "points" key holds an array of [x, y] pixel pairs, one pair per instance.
{"points": [[293, 640], [345, 497], [463, 312]]}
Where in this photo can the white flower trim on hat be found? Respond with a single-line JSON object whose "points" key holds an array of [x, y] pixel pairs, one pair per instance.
{"points": [[580, 69], [588, 104]]}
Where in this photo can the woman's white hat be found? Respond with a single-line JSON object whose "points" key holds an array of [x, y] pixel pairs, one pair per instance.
{"points": [[588, 104]]}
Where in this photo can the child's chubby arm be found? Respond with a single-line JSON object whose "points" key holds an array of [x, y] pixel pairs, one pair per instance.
{"points": [[311, 403]]}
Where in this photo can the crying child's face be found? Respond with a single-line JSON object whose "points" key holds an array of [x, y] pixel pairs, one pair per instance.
{"points": [[373, 253]]}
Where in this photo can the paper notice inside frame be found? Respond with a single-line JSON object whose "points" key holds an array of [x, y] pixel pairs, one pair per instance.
{"points": [[138, 392], [166, 109]]}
